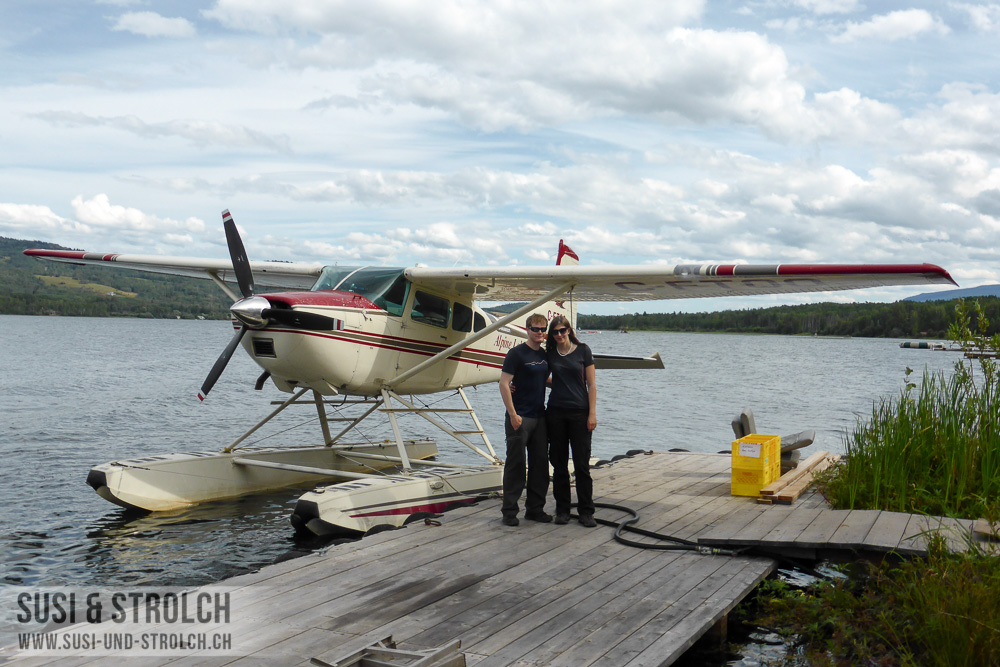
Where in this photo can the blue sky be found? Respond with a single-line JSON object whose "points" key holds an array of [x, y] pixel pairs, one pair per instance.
{"points": [[470, 133]]}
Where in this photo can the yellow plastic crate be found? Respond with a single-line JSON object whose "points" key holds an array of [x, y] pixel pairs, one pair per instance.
{"points": [[756, 463]]}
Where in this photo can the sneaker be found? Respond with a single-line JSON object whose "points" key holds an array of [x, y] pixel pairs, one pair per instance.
{"points": [[587, 521], [510, 521], [540, 517], [562, 519]]}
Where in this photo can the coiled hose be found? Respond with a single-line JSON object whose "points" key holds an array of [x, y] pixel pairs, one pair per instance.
{"points": [[678, 544]]}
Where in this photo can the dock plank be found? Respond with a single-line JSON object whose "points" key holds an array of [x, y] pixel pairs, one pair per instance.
{"points": [[855, 527], [887, 531]]}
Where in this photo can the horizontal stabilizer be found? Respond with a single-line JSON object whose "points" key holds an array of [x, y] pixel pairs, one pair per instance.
{"points": [[618, 362]]}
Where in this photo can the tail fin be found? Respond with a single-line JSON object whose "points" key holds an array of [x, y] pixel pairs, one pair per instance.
{"points": [[566, 256], [565, 305]]}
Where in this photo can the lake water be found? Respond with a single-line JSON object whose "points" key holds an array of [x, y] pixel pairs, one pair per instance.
{"points": [[77, 392]]}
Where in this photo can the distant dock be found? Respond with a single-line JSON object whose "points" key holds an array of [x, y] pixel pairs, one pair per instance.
{"points": [[542, 594]]}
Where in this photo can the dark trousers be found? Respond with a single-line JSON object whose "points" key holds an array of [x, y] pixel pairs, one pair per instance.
{"points": [[568, 428], [525, 445]]}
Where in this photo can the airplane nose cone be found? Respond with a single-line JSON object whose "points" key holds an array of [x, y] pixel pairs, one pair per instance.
{"points": [[250, 311]]}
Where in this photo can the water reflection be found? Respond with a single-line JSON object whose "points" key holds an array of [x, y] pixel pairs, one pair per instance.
{"points": [[190, 546]]}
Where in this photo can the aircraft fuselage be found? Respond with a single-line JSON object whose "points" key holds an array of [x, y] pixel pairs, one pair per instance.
{"points": [[369, 346]]}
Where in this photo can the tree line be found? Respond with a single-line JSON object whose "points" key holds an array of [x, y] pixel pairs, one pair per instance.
{"points": [[901, 319]]}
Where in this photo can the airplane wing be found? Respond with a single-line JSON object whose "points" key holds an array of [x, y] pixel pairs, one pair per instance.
{"points": [[292, 275], [589, 283], [687, 281]]}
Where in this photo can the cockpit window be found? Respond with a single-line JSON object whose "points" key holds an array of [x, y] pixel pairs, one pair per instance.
{"points": [[430, 309], [385, 287], [461, 317]]}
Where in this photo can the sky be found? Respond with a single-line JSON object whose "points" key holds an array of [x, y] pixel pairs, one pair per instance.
{"points": [[469, 133]]}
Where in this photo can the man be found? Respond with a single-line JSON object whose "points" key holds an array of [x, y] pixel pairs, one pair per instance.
{"points": [[526, 367]]}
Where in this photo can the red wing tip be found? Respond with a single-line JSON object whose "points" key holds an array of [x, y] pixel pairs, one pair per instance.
{"points": [[946, 275], [200, 397]]}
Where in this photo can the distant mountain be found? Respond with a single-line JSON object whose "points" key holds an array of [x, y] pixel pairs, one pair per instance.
{"points": [[965, 293], [31, 287]]}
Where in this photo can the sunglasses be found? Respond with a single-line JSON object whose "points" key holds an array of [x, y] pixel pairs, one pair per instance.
{"points": [[537, 329], [560, 332]]}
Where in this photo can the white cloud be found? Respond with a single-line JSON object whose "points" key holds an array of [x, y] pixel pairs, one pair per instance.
{"points": [[151, 24], [985, 18], [99, 212], [891, 27], [969, 117], [28, 220], [502, 67]]}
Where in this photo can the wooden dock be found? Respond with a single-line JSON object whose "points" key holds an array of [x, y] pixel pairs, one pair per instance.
{"points": [[542, 594]]}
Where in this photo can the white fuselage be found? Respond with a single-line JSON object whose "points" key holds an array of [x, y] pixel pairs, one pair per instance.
{"points": [[370, 347]]}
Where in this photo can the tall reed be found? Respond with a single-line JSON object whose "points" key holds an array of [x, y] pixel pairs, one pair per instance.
{"points": [[934, 448]]}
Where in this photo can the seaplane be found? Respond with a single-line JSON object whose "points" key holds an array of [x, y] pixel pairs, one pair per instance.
{"points": [[373, 339]]}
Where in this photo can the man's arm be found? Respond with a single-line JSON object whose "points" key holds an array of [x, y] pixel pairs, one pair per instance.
{"points": [[508, 400]]}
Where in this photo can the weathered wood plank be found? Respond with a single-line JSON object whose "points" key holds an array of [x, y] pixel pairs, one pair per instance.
{"points": [[571, 612], [818, 533], [957, 533], [785, 534], [793, 475], [887, 531], [689, 608], [791, 492], [855, 527], [754, 532]]}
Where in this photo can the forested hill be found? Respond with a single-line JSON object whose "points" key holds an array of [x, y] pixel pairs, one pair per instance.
{"points": [[902, 319], [32, 287]]}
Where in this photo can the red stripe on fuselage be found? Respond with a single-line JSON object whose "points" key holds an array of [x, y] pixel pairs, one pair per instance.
{"points": [[456, 357]]}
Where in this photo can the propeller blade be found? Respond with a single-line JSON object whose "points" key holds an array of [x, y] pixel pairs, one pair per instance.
{"points": [[299, 319], [241, 265], [220, 363]]}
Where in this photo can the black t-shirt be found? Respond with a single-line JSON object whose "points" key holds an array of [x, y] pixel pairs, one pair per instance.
{"points": [[569, 379], [530, 368]]}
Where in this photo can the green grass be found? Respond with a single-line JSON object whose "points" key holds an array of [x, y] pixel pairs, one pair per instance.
{"points": [[73, 283]]}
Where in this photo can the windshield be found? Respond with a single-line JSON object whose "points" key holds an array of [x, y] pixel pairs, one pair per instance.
{"points": [[385, 287]]}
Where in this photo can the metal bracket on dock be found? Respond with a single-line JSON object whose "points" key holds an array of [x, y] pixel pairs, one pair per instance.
{"points": [[385, 654]]}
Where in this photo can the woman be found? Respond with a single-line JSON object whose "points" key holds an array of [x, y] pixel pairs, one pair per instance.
{"points": [[570, 418]]}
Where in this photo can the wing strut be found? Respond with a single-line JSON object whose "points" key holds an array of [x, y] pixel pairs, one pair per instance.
{"points": [[462, 344]]}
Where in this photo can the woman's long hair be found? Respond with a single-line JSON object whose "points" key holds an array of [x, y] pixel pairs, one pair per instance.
{"points": [[558, 322]]}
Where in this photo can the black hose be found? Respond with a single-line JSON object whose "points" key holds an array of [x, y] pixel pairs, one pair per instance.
{"points": [[679, 544]]}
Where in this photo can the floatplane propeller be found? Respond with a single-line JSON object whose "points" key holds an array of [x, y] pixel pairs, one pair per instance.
{"points": [[252, 311]]}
